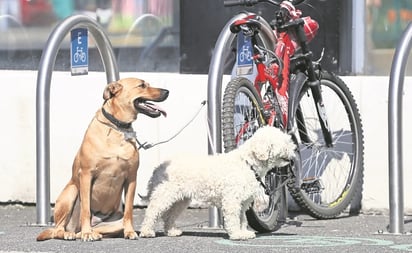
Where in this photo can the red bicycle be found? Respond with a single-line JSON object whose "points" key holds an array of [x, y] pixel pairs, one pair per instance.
{"points": [[275, 82]]}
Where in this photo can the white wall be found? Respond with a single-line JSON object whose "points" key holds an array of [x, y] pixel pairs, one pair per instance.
{"points": [[74, 100]]}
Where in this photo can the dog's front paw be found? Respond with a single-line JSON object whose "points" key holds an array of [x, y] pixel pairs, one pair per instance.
{"points": [[242, 235], [147, 233], [90, 236], [69, 236], [174, 232], [132, 235]]}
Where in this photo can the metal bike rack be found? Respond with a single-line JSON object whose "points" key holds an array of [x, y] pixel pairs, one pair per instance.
{"points": [[214, 94], [46, 67], [396, 81]]}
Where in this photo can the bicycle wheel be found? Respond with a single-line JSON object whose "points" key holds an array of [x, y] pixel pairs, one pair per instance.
{"points": [[328, 178], [241, 116]]}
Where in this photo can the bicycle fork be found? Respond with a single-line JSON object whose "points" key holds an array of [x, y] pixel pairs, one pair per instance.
{"points": [[310, 185], [314, 83], [321, 111]]}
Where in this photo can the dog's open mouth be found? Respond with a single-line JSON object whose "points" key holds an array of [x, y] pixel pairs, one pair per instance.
{"points": [[148, 108]]}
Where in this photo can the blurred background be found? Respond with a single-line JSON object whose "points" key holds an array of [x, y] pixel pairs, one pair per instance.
{"points": [[179, 35]]}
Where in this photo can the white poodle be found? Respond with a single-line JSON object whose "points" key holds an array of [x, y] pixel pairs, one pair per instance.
{"points": [[227, 180]]}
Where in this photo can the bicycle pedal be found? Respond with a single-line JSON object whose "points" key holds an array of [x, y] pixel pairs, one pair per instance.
{"points": [[312, 185]]}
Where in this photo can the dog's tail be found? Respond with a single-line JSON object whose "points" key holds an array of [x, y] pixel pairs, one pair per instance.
{"points": [[50, 233]]}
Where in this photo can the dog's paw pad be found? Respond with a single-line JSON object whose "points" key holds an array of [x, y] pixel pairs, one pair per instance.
{"points": [[91, 236], [250, 235], [70, 236], [174, 232], [147, 233], [242, 236], [130, 235]]}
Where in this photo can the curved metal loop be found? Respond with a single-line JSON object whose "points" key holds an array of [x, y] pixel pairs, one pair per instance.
{"points": [[46, 67], [215, 75], [214, 90], [396, 82]]}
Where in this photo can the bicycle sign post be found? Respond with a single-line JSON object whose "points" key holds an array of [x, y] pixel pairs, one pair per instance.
{"points": [[79, 52]]}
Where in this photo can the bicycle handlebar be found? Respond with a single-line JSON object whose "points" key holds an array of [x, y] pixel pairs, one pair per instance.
{"points": [[240, 2], [254, 2], [243, 2]]}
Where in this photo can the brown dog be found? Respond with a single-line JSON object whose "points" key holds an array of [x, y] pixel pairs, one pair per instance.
{"points": [[106, 164]]}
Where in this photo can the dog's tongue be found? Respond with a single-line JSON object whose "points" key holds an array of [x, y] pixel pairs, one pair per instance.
{"points": [[156, 108]]}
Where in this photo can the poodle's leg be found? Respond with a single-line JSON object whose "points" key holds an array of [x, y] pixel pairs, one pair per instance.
{"points": [[234, 220], [161, 200], [231, 215], [171, 216], [243, 220]]}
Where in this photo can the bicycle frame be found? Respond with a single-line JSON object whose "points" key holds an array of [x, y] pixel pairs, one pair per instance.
{"points": [[276, 83], [275, 68]]}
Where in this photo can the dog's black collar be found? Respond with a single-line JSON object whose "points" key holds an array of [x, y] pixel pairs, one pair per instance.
{"points": [[116, 122], [125, 128]]}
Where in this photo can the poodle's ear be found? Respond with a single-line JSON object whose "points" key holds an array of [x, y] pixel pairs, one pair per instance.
{"points": [[261, 152], [261, 156], [111, 90]]}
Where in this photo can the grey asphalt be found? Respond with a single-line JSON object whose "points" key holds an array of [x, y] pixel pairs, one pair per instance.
{"points": [[366, 232]]}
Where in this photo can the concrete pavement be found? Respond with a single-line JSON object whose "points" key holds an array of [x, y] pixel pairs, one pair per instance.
{"points": [[363, 233]]}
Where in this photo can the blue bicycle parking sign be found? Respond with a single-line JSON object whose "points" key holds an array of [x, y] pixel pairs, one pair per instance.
{"points": [[244, 55], [79, 55]]}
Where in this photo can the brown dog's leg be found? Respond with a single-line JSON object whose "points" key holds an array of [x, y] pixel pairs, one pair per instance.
{"points": [[62, 215], [63, 211], [87, 234], [110, 229], [130, 189]]}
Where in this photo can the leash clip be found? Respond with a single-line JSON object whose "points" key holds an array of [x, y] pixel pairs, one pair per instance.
{"points": [[129, 135], [143, 145]]}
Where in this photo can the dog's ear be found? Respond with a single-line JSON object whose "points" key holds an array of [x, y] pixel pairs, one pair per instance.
{"points": [[111, 90], [262, 154], [261, 150]]}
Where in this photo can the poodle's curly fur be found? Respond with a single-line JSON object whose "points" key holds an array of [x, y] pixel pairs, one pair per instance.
{"points": [[227, 181]]}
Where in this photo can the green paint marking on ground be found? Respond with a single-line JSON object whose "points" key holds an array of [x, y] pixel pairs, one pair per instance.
{"points": [[305, 242]]}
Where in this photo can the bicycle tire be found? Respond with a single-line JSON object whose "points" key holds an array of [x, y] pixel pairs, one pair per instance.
{"points": [[330, 178], [241, 116]]}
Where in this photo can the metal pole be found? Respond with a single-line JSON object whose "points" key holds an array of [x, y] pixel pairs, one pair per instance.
{"points": [[214, 97], [396, 82], [214, 92], [46, 67], [358, 36]]}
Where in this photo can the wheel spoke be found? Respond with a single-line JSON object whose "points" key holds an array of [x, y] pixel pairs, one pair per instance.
{"points": [[330, 176]]}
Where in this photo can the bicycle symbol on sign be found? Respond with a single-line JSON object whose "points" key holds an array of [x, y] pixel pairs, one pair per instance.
{"points": [[246, 54], [79, 55]]}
